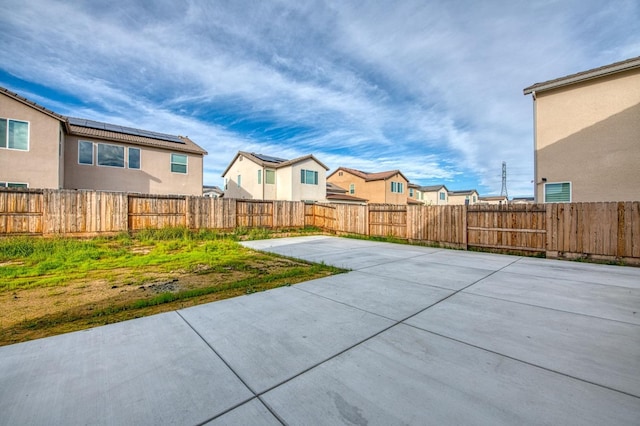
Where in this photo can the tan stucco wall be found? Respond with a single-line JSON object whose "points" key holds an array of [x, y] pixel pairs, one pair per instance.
{"points": [[589, 134], [153, 177], [457, 200], [432, 198], [307, 192], [39, 167], [377, 191], [250, 189]]}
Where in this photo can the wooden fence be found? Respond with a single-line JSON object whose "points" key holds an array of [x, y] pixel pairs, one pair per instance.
{"points": [[606, 231]]}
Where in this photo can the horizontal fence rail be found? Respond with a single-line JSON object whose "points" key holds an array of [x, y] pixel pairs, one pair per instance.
{"points": [[602, 231]]}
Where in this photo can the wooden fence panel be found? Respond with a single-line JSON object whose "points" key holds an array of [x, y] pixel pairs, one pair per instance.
{"points": [[388, 220], [324, 216], [350, 219], [288, 214], [21, 212], [156, 211], [507, 227], [254, 214]]}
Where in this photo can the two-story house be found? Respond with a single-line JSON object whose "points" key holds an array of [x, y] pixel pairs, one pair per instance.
{"points": [[264, 177], [42, 149], [587, 135], [388, 187]]}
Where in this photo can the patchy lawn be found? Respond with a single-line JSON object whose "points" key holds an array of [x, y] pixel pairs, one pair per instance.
{"points": [[53, 286]]}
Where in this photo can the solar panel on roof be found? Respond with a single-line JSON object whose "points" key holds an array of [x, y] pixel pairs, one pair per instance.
{"points": [[269, 158], [91, 124]]}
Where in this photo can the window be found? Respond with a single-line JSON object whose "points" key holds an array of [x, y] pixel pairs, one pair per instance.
{"points": [[443, 196], [557, 192], [397, 187], [110, 155], [259, 177], [239, 181], [14, 134], [352, 188], [270, 177], [308, 177], [13, 185], [226, 184], [134, 158], [474, 198], [178, 163], [85, 152]]}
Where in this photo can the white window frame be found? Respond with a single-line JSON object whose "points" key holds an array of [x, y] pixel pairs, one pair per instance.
{"points": [[544, 191], [21, 184], [6, 135], [268, 172], [259, 176], [352, 188], [129, 158], [304, 177], [397, 187], [124, 156], [172, 162], [93, 153]]}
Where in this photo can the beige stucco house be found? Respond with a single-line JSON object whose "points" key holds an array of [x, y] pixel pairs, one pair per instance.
{"points": [[494, 200], [263, 177], [388, 187], [42, 149], [587, 135], [435, 195], [465, 197]]}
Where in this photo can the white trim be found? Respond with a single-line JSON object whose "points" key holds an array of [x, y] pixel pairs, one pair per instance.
{"points": [[104, 165], [93, 153], [7, 135], [171, 163], [544, 191]]}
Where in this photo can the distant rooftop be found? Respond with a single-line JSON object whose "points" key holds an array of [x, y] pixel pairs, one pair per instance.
{"points": [[91, 124]]}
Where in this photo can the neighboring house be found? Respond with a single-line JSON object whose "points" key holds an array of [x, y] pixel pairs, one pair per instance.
{"points": [[435, 195], [263, 177], [384, 187], [466, 197], [587, 135], [42, 149], [498, 200], [212, 191], [522, 200], [336, 194]]}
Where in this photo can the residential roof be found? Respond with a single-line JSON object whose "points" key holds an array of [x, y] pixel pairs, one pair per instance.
{"points": [[433, 188], [413, 201], [370, 176], [584, 75], [97, 129], [90, 128], [332, 188], [463, 192], [32, 104], [212, 188], [493, 198], [345, 197], [270, 161]]}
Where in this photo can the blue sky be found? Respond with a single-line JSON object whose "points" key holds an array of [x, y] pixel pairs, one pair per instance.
{"points": [[433, 88]]}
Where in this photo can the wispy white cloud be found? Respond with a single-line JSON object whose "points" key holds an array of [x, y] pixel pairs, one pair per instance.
{"points": [[431, 88]]}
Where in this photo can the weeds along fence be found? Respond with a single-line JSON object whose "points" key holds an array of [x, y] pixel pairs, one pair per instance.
{"points": [[602, 231]]}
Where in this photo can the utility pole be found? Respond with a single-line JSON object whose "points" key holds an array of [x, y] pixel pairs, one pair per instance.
{"points": [[503, 192]]}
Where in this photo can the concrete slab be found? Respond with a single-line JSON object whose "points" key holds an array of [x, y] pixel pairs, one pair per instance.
{"points": [[267, 338], [148, 371], [389, 297], [600, 300], [252, 413], [622, 276], [597, 350], [472, 259], [408, 376], [422, 271], [353, 259]]}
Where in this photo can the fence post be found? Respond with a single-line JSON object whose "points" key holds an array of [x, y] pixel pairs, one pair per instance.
{"points": [[620, 249], [465, 231]]}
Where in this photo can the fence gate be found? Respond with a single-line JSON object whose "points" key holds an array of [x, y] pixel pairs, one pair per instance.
{"points": [[388, 220], [510, 227]]}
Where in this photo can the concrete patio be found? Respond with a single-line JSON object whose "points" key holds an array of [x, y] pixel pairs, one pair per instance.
{"points": [[412, 335]]}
